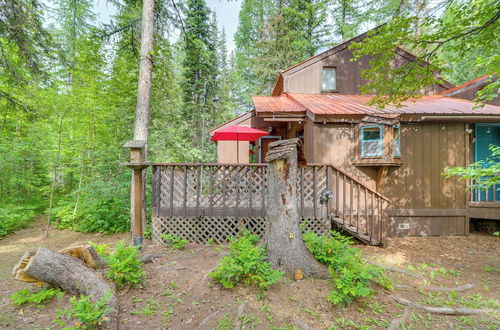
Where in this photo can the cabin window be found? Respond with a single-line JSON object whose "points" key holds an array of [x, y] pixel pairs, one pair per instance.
{"points": [[371, 141], [396, 134], [329, 79]]}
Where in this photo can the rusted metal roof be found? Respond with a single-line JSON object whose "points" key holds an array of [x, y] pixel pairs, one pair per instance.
{"points": [[338, 104], [282, 103]]}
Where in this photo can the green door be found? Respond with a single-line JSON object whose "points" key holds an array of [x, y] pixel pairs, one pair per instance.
{"points": [[486, 135]]}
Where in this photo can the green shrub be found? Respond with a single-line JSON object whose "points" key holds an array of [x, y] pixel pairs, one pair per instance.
{"points": [[15, 217], [176, 242], [85, 313], [245, 264], [351, 276], [22, 297], [123, 265], [103, 207]]}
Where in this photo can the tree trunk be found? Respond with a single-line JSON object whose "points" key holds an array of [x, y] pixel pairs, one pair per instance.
{"points": [[144, 94], [71, 275], [56, 167], [286, 249]]}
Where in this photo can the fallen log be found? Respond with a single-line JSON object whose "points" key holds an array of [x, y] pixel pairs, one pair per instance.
{"points": [[71, 275], [443, 310]]}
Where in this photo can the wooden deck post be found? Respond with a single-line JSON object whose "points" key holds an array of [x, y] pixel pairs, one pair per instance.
{"points": [[137, 164]]}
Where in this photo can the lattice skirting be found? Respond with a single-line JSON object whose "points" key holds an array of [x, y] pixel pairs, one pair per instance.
{"points": [[202, 229]]}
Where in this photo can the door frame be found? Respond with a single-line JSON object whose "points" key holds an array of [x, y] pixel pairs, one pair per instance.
{"points": [[260, 144]]}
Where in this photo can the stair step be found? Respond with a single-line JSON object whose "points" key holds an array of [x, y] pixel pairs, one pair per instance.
{"points": [[353, 231]]}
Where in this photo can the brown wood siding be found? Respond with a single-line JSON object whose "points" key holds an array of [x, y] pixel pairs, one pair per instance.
{"points": [[307, 78], [426, 150]]}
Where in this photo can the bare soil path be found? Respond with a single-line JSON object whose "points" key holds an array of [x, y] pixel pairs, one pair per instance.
{"points": [[179, 294]]}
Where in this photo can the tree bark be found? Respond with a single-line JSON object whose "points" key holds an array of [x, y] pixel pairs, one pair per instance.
{"points": [[71, 275], [144, 94], [286, 249]]}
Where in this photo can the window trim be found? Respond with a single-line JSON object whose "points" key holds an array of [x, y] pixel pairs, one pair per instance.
{"points": [[396, 154], [328, 90], [380, 140]]}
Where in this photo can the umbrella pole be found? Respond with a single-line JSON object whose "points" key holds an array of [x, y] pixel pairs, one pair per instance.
{"points": [[237, 148]]}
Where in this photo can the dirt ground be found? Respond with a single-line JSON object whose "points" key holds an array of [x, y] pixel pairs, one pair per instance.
{"points": [[178, 293]]}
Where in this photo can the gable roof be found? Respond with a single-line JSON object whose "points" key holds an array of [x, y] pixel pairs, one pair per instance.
{"points": [[337, 104], [278, 85], [474, 83]]}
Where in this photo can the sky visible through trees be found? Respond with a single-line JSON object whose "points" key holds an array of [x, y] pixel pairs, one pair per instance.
{"points": [[68, 83]]}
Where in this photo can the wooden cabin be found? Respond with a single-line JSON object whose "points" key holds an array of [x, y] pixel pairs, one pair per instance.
{"points": [[372, 172], [398, 153]]}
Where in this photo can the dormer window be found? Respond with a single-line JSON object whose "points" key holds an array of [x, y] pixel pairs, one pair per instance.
{"points": [[329, 79]]}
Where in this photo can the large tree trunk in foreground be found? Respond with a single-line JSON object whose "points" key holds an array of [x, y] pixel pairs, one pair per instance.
{"points": [[286, 249], [72, 276]]}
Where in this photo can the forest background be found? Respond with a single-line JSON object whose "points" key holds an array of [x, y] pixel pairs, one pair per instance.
{"points": [[68, 84]]}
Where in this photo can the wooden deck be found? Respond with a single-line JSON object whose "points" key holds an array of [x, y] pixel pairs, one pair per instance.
{"points": [[485, 203], [239, 191]]}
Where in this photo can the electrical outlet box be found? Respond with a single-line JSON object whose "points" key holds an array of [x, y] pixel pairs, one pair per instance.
{"points": [[404, 225]]}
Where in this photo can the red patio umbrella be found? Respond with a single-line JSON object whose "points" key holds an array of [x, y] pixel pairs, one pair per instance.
{"points": [[238, 133]]}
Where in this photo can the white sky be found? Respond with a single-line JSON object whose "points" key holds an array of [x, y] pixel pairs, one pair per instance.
{"points": [[227, 15]]}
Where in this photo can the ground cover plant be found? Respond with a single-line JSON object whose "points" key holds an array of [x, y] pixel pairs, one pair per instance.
{"points": [[351, 276], [124, 268], [41, 296], [174, 241], [14, 217], [85, 313], [246, 264]]}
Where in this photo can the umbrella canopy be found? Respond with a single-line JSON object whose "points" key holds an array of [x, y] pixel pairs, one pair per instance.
{"points": [[238, 133]]}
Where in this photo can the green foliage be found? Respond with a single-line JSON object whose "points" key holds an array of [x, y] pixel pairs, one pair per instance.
{"points": [[484, 173], [15, 217], [41, 296], [351, 276], [174, 241], [458, 38], [85, 312], [103, 208], [245, 264], [124, 268]]}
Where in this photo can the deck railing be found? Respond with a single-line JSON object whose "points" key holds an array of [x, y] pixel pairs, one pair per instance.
{"points": [[240, 190], [489, 194]]}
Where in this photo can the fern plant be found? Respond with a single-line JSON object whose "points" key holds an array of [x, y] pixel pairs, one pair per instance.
{"points": [[246, 264], [124, 268], [351, 276]]}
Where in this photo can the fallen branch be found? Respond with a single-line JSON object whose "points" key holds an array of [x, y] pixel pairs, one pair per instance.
{"points": [[443, 310], [400, 320], [395, 269], [460, 288], [148, 258]]}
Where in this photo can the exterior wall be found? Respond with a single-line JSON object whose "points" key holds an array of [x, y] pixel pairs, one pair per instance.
{"points": [[421, 196], [227, 152], [306, 77]]}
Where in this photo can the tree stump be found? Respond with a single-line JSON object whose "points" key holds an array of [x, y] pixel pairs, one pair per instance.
{"points": [[286, 249]]}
